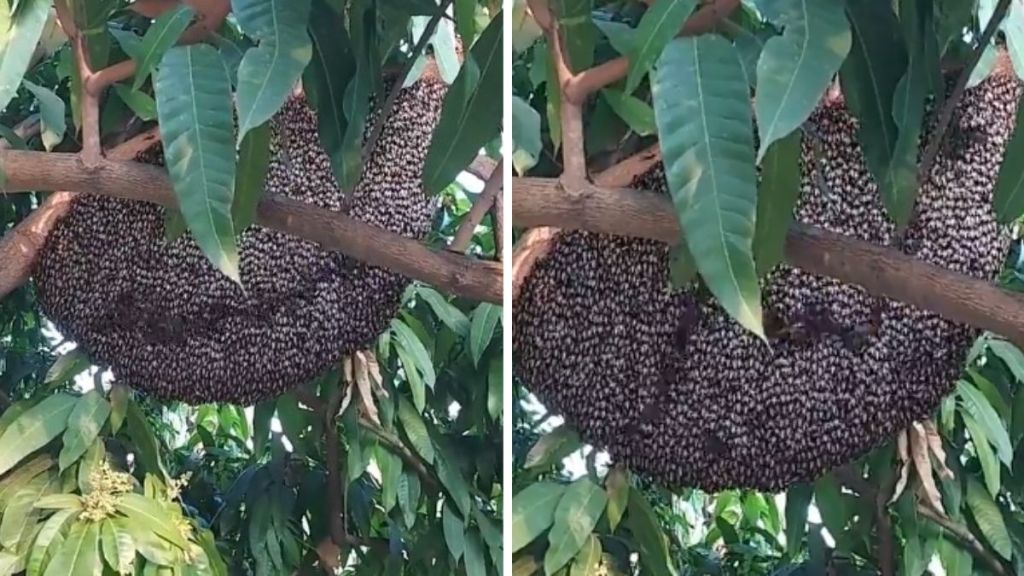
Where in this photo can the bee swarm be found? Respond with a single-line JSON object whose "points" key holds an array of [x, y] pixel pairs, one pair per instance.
{"points": [[167, 322], [673, 387]]}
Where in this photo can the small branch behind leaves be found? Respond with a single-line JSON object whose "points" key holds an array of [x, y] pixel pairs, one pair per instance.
{"points": [[484, 202]]}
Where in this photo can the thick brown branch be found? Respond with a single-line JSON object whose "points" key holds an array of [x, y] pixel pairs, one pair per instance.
{"points": [[484, 202], [969, 540], [880, 270], [456, 274]]}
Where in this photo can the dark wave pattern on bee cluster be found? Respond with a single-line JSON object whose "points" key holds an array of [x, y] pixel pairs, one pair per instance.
{"points": [[673, 387], [167, 322]]}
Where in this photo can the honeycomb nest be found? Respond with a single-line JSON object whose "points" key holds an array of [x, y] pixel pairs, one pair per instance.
{"points": [[674, 388], [167, 322]]}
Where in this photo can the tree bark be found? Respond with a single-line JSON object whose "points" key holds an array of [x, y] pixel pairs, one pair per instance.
{"points": [[456, 274], [879, 270]]}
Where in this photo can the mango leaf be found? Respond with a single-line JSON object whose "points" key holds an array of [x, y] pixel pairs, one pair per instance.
{"points": [[988, 517], [588, 560], [475, 564], [1008, 198], [47, 535], [163, 34], [469, 118], [454, 531], [575, 517], [481, 330], [495, 388], [51, 115], [409, 496], [659, 24], [409, 342], [451, 478], [616, 484], [975, 403], [193, 100], [445, 311], [777, 194], [79, 554], [253, 161], [525, 135], [983, 450], [870, 75], [120, 396], [415, 430], [69, 365], [553, 447], [648, 535], [268, 71], [147, 448], [796, 67], [1010, 355], [798, 498], [636, 113], [327, 76], [34, 429], [955, 560], [150, 515], [84, 423], [142, 104], [702, 108], [20, 512], [533, 512], [18, 41]]}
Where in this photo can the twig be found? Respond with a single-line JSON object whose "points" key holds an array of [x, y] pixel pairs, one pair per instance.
{"points": [[973, 545], [396, 445], [464, 234], [497, 213], [938, 134], [332, 460], [396, 89], [482, 167]]}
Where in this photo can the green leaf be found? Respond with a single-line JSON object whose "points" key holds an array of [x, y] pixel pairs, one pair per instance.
{"points": [[79, 554], [702, 106], [147, 449], [451, 478], [18, 43], [253, 161], [390, 467], [159, 38], [51, 115], [983, 450], [621, 36], [955, 560], [89, 415], [798, 498], [41, 548], [484, 320], [828, 497], [578, 33], [777, 194], [475, 564], [1008, 198], [20, 511], [328, 73], [648, 535], [495, 388], [636, 113], [23, 475], [356, 99], [469, 118], [1010, 355], [553, 447], [415, 430], [575, 517], [988, 517], [658, 26], [445, 310], [411, 343], [150, 515], [8, 563], [975, 403], [67, 367], [533, 512], [141, 104], [588, 560], [616, 484], [454, 531], [34, 429], [270, 70], [59, 502], [796, 67], [870, 75], [409, 496], [525, 135], [193, 98], [120, 396]]}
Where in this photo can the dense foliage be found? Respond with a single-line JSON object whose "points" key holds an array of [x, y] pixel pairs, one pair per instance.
{"points": [[391, 462], [943, 498]]}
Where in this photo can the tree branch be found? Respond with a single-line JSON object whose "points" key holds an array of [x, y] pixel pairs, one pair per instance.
{"points": [[464, 234], [470, 278], [882, 271], [389, 103], [396, 445], [973, 545]]}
